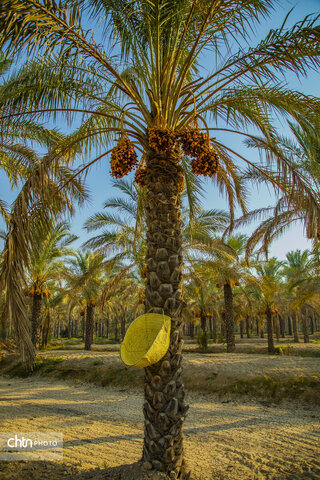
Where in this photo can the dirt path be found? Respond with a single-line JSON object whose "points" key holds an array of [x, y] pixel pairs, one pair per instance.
{"points": [[102, 427]]}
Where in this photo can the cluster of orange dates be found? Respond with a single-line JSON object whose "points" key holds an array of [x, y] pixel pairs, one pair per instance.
{"points": [[197, 144], [35, 290], [123, 158], [194, 143]]}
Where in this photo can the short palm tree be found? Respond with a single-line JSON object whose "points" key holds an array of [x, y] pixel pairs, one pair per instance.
{"points": [[298, 270], [144, 85], [269, 281], [85, 281]]}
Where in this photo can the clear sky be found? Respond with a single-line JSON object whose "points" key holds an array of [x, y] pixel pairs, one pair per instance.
{"points": [[99, 180]]}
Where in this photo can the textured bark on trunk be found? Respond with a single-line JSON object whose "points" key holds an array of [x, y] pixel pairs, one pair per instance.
{"points": [[89, 327], [269, 330], [295, 328], [228, 304], [289, 326], [164, 407], [305, 329], [35, 320], [241, 328], [247, 327]]}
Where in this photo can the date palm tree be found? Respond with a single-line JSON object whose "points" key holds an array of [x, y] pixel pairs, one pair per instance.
{"points": [[142, 82], [85, 278], [295, 205], [50, 243], [37, 180], [299, 270], [269, 281]]}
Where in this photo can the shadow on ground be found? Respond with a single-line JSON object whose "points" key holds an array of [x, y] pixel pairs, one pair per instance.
{"points": [[60, 471]]}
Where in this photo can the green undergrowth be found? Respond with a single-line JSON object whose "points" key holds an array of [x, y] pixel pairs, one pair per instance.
{"points": [[304, 389]]}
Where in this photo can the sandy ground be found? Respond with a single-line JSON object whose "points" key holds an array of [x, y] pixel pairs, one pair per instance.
{"points": [[220, 365], [102, 427]]}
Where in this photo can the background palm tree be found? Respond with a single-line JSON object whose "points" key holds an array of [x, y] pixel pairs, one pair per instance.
{"points": [[85, 280], [50, 243], [269, 280], [298, 270]]}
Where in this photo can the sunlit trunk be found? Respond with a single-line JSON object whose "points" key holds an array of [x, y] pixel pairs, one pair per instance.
{"points": [[164, 407]]}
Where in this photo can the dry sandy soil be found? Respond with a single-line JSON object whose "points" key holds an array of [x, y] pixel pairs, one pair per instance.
{"points": [[102, 427], [221, 365]]}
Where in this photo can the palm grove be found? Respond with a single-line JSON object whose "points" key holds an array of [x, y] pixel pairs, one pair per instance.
{"points": [[138, 93]]}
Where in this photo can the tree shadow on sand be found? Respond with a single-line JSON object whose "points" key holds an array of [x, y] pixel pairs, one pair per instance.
{"points": [[59, 471]]}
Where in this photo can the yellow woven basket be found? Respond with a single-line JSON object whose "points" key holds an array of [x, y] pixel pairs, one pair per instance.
{"points": [[147, 340]]}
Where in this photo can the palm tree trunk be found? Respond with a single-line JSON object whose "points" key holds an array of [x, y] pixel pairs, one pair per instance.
{"points": [[203, 321], [311, 324], [289, 326], [247, 326], [305, 328], [89, 327], [164, 407], [241, 328], [295, 328], [3, 326], [210, 325], [214, 328], [123, 326], [35, 320], [192, 327], [69, 325], [46, 329], [282, 326], [269, 330], [228, 305], [276, 327]]}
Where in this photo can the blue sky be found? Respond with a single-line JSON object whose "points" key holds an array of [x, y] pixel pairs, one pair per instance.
{"points": [[99, 181]]}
